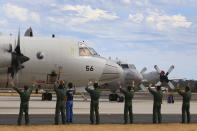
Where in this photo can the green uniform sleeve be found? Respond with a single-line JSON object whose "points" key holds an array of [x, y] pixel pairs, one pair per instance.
{"points": [[123, 91], [31, 89], [180, 93], [55, 87], [134, 89], [17, 90], [88, 90], [152, 91]]}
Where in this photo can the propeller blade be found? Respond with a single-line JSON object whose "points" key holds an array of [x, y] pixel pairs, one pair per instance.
{"points": [[143, 70], [23, 58], [170, 69], [171, 85], [17, 59], [157, 69], [158, 83], [142, 87], [17, 49]]}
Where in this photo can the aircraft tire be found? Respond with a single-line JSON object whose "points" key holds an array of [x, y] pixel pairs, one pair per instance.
{"points": [[113, 97], [120, 99]]}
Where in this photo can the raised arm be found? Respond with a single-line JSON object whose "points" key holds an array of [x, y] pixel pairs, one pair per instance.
{"points": [[87, 89], [16, 89], [178, 89], [56, 85], [33, 86], [151, 90], [121, 90], [75, 89], [133, 86]]}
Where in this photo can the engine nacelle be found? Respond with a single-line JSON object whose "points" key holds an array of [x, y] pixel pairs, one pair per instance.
{"points": [[5, 55]]}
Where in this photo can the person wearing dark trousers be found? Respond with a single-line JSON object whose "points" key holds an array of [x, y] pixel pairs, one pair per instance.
{"points": [[186, 102], [60, 90], [24, 105], [128, 93], [94, 105], [158, 95]]}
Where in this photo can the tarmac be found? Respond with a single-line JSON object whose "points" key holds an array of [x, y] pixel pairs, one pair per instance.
{"points": [[42, 112]]}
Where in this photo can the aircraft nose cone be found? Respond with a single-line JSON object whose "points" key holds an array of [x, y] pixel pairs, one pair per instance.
{"points": [[111, 71]]}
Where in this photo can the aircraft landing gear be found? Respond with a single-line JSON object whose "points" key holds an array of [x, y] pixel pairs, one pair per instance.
{"points": [[46, 96], [116, 97]]}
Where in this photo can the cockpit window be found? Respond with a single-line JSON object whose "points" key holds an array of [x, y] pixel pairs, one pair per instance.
{"points": [[132, 66], [124, 66], [83, 51], [93, 52]]}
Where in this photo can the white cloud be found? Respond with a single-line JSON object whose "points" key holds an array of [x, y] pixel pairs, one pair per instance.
{"points": [[138, 18], [86, 13], [126, 1], [164, 21], [34, 16], [22, 14], [56, 20], [3, 21]]}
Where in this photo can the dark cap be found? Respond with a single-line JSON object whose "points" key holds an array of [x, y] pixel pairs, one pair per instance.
{"points": [[187, 88], [26, 87], [95, 85], [70, 85], [158, 88]]}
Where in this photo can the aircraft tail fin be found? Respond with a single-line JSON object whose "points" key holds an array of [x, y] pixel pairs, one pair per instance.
{"points": [[29, 32]]}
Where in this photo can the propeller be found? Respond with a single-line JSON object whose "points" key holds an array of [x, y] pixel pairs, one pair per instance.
{"points": [[143, 70], [164, 76], [142, 87], [17, 59]]}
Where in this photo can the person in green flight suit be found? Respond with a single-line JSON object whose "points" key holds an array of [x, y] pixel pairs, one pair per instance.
{"points": [[158, 95], [60, 90], [129, 93], [186, 102], [24, 105], [94, 105]]}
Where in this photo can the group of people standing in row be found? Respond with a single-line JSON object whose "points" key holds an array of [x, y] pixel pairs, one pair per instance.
{"points": [[64, 102], [158, 95]]}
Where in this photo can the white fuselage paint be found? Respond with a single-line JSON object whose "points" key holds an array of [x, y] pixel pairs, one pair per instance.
{"points": [[58, 53]]}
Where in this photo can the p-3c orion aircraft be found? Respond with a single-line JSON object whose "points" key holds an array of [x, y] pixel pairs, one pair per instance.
{"points": [[46, 60], [130, 73]]}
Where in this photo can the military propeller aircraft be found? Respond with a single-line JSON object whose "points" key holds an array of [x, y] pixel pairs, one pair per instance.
{"points": [[45, 60], [130, 73]]}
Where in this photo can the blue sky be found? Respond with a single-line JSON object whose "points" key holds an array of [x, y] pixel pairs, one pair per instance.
{"points": [[142, 32]]}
